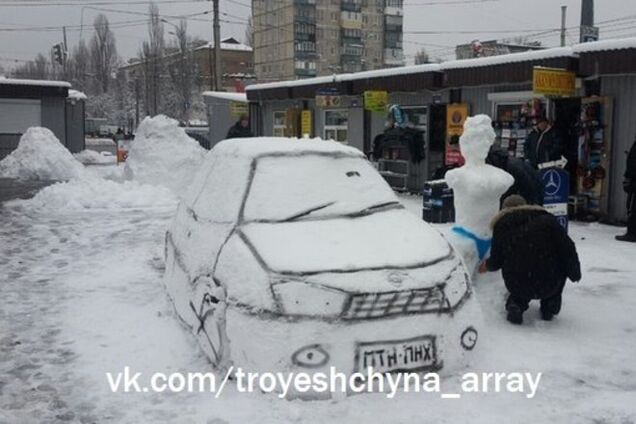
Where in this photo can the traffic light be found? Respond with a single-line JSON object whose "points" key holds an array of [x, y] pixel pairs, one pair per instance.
{"points": [[59, 53]]}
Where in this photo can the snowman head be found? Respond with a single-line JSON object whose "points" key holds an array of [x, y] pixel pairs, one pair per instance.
{"points": [[477, 138]]}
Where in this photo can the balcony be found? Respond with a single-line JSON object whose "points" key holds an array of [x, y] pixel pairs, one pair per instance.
{"points": [[305, 54], [305, 73], [351, 6], [393, 11], [350, 20], [303, 36], [305, 19], [354, 50]]}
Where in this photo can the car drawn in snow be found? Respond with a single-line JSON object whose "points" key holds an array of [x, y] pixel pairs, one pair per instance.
{"points": [[296, 255]]}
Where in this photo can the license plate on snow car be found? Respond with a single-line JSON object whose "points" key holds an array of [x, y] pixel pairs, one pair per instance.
{"points": [[416, 354]]}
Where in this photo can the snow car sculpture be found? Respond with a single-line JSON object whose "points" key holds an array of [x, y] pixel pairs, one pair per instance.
{"points": [[295, 255]]}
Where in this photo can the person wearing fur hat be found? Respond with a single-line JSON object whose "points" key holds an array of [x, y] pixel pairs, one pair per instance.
{"points": [[536, 257]]}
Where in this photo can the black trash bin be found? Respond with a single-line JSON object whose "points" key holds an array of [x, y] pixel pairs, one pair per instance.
{"points": [[438, 204]]}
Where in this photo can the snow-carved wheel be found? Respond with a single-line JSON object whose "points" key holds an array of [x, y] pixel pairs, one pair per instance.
{"points": [[209, 305]]}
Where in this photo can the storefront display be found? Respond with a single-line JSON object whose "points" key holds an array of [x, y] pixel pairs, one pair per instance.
{"points": [[514, 122], [594, 146]]}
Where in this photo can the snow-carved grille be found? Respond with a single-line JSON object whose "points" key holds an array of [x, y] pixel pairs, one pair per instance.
{"points": [[377, 305]]}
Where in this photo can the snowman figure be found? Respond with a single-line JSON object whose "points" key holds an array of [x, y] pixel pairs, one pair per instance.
{"points": [[477, 188]]}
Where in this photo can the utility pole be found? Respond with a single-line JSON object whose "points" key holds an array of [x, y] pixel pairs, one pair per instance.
{"points": [[65, 52], [563, 13], [217, 46]]}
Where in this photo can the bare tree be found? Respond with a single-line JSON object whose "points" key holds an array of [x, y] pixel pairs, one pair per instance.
{"points": [[103, 51], [182, 70], [39, 69], [79, 68], [152, 52], [249, 32], [421, 57]]}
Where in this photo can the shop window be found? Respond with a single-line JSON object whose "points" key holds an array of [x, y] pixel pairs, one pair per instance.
{"points": [[280, 123], [336, 125]]}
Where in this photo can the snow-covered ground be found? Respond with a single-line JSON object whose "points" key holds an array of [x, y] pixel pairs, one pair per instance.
{"points": [[81, 295]]}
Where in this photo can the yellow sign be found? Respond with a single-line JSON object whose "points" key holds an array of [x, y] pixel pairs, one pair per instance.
{"points": [[376, 101], [456, 114], [553, 82], [238, 108], [305, 122]]}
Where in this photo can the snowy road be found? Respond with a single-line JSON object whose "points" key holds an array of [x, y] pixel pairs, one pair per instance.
{"points": [[81, 295]]}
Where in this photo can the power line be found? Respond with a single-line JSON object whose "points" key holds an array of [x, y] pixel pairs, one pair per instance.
{"points": [[95, 3]]}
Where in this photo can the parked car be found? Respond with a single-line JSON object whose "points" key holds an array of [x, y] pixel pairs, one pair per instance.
{"points": [[296, 255]]}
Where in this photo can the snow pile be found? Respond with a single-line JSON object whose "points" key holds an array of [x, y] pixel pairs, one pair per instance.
{"points": [[95, 193], [163, 154], [40, 156], [91, 157], [76, 95]]}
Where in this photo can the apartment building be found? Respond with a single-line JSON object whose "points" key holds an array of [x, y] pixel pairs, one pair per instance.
{"points": [[306, 38]]}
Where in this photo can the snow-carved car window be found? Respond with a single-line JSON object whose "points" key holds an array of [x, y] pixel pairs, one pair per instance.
{"points": [[312, 186]]}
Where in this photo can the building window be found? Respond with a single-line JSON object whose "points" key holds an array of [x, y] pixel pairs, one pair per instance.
{"points": [[336, 125], [280, 123]]}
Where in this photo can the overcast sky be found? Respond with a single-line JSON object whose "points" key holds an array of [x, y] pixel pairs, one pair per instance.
{"points": [[445, 23]]}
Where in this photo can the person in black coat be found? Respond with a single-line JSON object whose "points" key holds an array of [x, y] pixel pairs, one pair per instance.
{"points": [[536, 257], [629, 185], [528, 183], [543, 144], [241, 129]]}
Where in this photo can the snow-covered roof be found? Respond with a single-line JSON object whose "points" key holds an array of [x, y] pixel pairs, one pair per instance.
{"points": [[228, 43], [617, 44], [509, 58], [377, 73], [236, 97], [251, 148], [42, 83], [77, 95]]}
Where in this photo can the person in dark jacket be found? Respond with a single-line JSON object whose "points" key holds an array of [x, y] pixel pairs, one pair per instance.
{"points": [[241, 129], [542, 144], [528, 183], [536, 257], [629, 185]]}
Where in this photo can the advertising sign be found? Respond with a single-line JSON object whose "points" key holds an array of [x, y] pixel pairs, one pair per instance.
{"points": [[456, 114], [305, 123], [376, 101], [238, 108], [327, 101], [553, 82], [557, 191]]}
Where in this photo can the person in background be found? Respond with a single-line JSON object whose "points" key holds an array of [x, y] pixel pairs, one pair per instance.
{"points": [[543, 144], [241, 129], [629, 185], [528, 183], [536, 257]]}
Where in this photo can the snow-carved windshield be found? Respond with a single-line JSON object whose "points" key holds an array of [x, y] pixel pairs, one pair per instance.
{"points": [[312, 186]]}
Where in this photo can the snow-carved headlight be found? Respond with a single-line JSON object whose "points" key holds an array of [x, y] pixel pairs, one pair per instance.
{"points": [[312, 356], [301, 298]]}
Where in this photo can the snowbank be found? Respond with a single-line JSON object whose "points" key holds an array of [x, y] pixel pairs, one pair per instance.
{"points": [[91, 157], [40, 156], [163, 154], [96, 193]]}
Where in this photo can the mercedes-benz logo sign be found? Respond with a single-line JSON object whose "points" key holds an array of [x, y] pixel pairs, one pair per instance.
{"points": [[552, 181]]}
